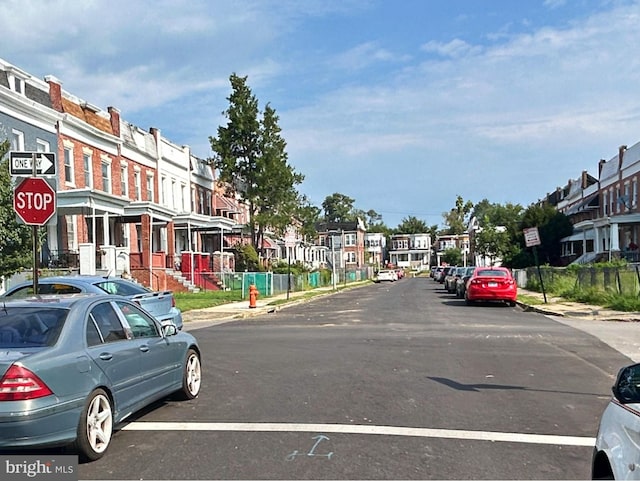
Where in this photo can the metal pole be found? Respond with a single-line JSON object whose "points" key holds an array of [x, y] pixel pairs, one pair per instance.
{"points": [[333, 262], [34, 231], [535, 256], [289, 272]]}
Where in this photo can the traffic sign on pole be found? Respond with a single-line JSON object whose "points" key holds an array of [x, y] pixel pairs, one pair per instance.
{"points": [[21, 163], [34, 201]]}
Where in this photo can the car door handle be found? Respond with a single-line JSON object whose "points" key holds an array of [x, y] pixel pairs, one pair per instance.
{"points": [[144, 348], [106, 356]]}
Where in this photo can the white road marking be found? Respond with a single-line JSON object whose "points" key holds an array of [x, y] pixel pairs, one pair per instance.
{"points": [[368, 429]]}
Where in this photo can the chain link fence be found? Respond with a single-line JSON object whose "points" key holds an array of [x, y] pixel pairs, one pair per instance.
{"points": [[619, 279]]}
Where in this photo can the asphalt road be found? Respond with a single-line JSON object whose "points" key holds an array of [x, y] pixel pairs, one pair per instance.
{"points": [[388, 381]]}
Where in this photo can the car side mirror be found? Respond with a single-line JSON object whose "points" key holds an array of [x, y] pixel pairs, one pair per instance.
{"points": [[627, 386], [169, 329]]}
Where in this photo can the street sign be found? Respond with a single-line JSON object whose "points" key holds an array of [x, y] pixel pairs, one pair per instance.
{"points": [[290, 239], [21, 163], [34, 201], [531, 237]]}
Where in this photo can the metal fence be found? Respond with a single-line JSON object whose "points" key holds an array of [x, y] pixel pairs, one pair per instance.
{"points": [[621, 280], [270, 284]]}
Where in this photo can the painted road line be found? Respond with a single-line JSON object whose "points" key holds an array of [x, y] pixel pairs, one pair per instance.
{"points": [[366, 429]]}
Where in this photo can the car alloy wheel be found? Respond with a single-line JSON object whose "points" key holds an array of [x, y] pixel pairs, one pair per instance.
{"points": [[192, 376], [95, 427]]}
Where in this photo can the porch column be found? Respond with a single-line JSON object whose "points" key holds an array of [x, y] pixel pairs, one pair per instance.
{"points": [[145, 232], [614, 241]]}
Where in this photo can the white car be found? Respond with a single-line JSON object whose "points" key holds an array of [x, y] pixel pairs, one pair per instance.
{"points": [[386, 275], [617, 451]]}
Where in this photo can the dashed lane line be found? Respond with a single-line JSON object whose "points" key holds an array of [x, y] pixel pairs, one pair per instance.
{"points": [[367, 429]]}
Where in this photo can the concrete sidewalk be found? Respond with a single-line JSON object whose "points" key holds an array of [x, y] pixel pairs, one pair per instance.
{"points": [[620, 330], [198, 318]]}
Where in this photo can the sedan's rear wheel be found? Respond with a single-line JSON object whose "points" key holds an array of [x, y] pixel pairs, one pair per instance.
{"points": [[192, 375], [95, 427]]}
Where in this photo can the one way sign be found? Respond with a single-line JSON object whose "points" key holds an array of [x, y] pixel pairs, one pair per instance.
{"points": [[22, 163]]}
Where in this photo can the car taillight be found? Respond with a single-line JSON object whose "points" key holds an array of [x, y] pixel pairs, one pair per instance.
{"points": [[20, 384]]}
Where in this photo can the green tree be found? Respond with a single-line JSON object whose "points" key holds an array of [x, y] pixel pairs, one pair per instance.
{"points": [[412, 225], [552, 226], [16, 240], [457, 218], [308, 215], [338, 208], [452, 256], [250, 156], [493, 216], [246, 258], [491, 241]]}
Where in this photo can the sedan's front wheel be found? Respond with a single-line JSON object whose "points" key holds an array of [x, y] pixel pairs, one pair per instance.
{"points": [[95, 426], [192, 376]]}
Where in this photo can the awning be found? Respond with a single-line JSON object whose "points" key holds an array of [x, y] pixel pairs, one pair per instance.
{"points": [[579, 236], [87, 201]]}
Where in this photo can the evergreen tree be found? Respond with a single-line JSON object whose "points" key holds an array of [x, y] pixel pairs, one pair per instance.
{"points": [[250, 156]]}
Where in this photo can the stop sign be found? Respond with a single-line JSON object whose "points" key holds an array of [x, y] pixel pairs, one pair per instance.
{"points": [[34, 201]]}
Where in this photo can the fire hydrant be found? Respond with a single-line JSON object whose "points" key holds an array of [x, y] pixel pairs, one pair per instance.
{"points": [[253, 295]]}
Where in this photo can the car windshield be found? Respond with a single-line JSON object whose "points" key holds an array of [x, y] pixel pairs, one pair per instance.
{"points": [[121, 288], [30, 326]]}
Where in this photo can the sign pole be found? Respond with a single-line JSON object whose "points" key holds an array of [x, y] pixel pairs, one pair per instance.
{"points": [[289, 273], [535, 258], [35, 239], [532, 239]]}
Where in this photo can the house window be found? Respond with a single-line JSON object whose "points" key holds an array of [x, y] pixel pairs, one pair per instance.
{"points": [[150, 187], [124, 178], [163, 190], [200, 201], [349, 240], [174, 194], [72, 239], [137, 185], [17, 140], [42, 145], [193, 199], [634, 193], [86, 164], [611, 201], [183, 197], [350, 257], [208, 204], [68, 165], [105, 168]]}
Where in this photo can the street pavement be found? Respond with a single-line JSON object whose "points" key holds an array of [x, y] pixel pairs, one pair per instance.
{"points": [[620, 330]]}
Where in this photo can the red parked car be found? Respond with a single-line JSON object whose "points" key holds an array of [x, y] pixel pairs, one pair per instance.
{"points": [[491, 284]]}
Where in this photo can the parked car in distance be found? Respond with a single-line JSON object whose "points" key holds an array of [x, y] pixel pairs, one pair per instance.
{"points": [[386, 275], [445, 272], [492, 284], [616, 454], [461, 282], [436, 272], [160, 304], [74, 366], [452, 278]]}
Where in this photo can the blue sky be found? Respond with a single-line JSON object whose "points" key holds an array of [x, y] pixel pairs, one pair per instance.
{"points": [[400, 104]]}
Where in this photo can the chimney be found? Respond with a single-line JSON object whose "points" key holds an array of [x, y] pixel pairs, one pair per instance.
{"points": [[55, 92], [600, 166], [621, 151], [114, 116], [585, 179]]}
